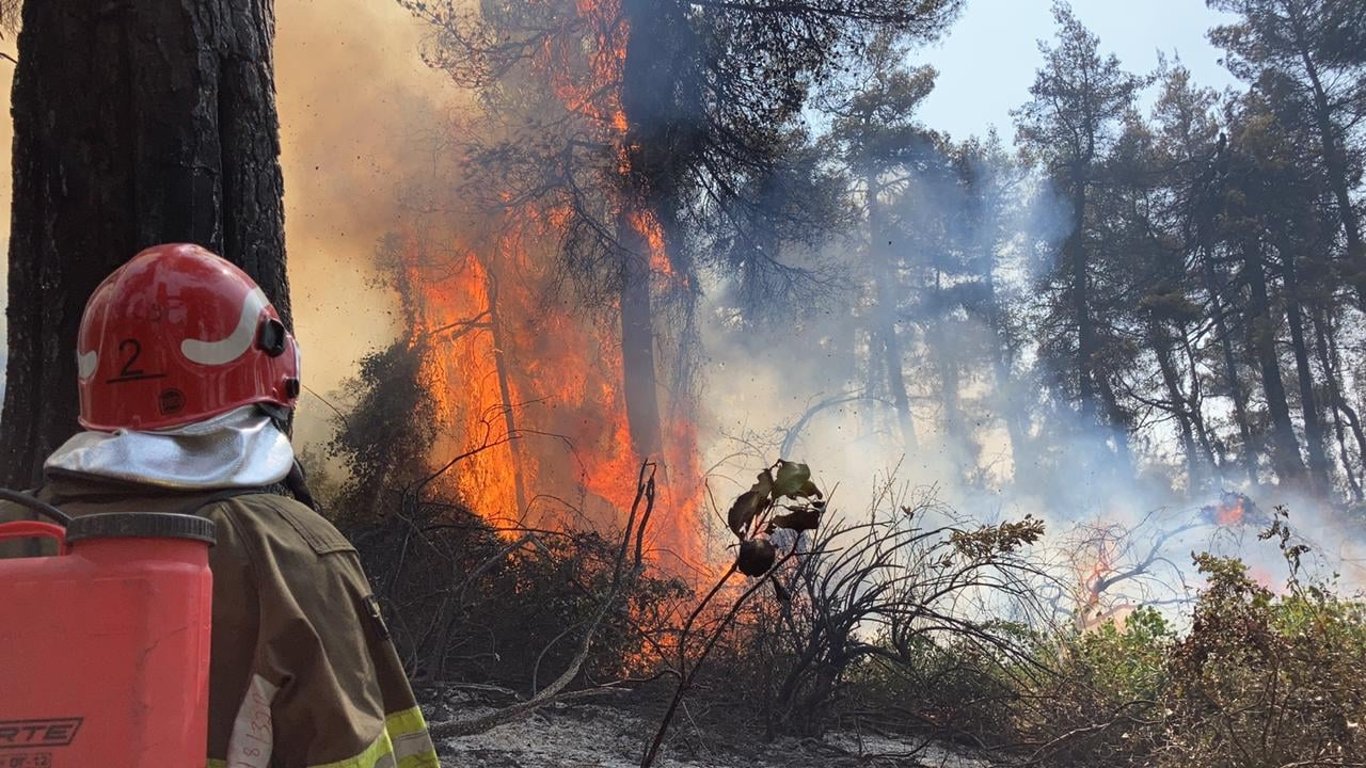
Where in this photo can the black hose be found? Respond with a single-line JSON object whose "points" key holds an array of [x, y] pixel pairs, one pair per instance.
{"points": [[25, 500]]}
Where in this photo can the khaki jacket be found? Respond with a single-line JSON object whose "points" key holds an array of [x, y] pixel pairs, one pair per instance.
{"points": [[303, 673]]}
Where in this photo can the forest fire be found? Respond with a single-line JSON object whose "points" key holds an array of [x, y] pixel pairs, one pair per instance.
{"points": [[1233, 509], [530, 382]]}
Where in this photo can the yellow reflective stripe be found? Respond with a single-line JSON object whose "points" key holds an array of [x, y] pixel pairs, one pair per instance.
{"points": [[379, 749], [412, 744], [405, 742], [407, 721]]}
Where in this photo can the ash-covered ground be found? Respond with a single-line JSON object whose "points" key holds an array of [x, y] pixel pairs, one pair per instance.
{"points": [[607, 736]]}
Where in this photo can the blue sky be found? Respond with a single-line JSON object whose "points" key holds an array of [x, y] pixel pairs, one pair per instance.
{"points": [[987, 61]]}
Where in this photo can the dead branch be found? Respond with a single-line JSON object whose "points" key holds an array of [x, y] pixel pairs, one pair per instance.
{"points": [[555, 691]]}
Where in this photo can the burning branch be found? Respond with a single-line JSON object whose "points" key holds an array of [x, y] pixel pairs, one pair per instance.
{"points": [[1117, 561]]}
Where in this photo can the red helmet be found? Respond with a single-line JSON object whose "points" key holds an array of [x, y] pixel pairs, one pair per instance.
{"points": [[175, 336]]}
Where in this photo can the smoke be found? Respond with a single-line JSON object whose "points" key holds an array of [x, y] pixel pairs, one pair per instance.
{"points": [[994, 439], [360, 113]]}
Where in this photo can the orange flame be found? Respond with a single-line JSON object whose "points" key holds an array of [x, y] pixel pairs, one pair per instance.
{"points": [[525, 383], [1094, 563], [1229, 512]]}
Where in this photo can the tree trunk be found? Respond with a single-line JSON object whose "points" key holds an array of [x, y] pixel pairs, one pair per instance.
{"points": [[885, 314], [1313, 423], [1248, 454], [1006, 392], [958, 439], [1326, 344], [1074, 256], [1098, 403], [638, 344], [1285, 455], [135, 123], [1195, 402], [661, 97], [1171, 379], [500, 364]]}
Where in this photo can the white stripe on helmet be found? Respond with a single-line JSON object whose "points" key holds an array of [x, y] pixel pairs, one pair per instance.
{"points": [[237, 343], [86, 363]]}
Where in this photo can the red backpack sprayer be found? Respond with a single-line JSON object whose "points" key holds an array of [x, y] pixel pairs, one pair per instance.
{"points": [[104, 648]]}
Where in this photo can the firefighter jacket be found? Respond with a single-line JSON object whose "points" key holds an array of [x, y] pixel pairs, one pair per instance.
{"points": [[303, 673]]}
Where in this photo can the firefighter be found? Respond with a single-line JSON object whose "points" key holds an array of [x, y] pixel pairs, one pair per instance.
{"points": [[186, 376]]}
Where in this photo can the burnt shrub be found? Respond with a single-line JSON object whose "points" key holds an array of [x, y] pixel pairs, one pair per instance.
{"points": [[891, 623], [468, 603]]}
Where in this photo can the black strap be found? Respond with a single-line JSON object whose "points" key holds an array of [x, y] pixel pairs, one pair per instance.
{"points": [[30, 501]]}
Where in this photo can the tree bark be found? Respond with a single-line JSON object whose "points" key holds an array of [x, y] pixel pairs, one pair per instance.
{"points": [[1099, 405], [1326, 344], [1171, 379], [500, 364], [661, 98], [1314, 436], [1194, 402], [1285, 456], [1248, 455], [1074, 256], [135, 123], [958, 440], [638, 344]]}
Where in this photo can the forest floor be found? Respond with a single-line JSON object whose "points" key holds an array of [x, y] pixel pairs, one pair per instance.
{"points": [[569, 736]]}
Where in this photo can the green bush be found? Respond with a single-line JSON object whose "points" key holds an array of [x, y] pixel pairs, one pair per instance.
{"points": [[1095, 705], [1260, 680], [1263, 680]]}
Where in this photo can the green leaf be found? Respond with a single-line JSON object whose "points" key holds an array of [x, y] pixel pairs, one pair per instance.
{"points": [[792, 479]]}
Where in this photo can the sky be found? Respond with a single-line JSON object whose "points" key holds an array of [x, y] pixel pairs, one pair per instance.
{"points": [[988, 59]]}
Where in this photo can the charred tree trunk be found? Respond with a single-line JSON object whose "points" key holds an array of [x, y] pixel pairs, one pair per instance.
{"points": [[135, 123], [638, 344], [661, 97], [500, 364]]}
